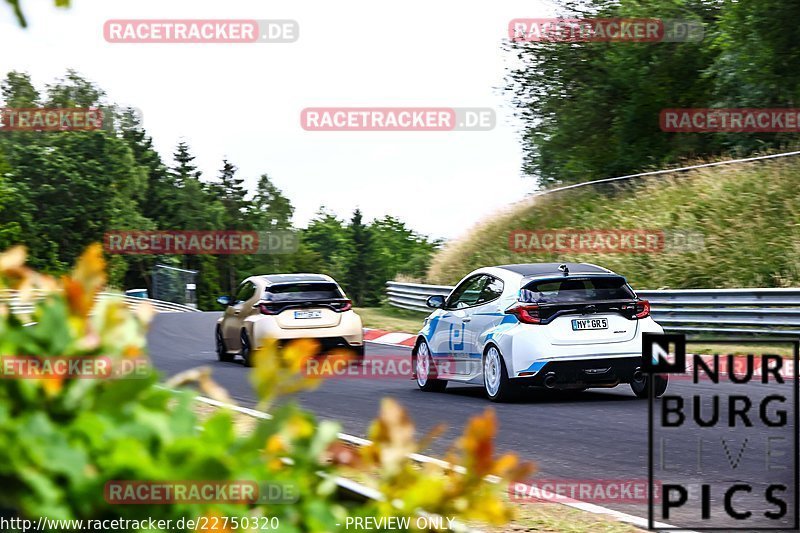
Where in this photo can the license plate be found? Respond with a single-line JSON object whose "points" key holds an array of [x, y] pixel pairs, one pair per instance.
{"points": [[308, 314], [579, 324]]}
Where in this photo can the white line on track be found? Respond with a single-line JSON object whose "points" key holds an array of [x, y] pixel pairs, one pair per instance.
{"points": [[420, 458]]}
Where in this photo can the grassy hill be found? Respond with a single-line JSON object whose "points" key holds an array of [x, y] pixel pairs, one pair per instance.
{"points": [[749, 215]]}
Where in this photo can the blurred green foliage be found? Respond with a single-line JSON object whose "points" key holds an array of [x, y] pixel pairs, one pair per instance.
{"points": [[64, 437]]}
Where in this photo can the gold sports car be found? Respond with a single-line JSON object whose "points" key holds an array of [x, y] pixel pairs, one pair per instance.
{"points": [[286, 307]]}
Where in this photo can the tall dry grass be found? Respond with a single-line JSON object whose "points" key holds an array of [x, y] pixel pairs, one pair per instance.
{"points": [[748, 213]]}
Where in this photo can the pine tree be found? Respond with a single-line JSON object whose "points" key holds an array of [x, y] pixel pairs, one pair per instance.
{"points": [[270, 209], [360, 277], [184, 170], [232, 194], [157, 198]]}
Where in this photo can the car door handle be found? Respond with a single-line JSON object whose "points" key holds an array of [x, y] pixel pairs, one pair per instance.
{"points": [[466, 319]]}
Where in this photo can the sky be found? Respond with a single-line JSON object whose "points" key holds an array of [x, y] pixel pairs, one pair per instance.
{"points": [[243, 101]]}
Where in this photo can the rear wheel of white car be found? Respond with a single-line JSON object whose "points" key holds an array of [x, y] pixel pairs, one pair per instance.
{"points": [[247, 348], [425, 369], [641, 387], [495, 377], [222, 351]]}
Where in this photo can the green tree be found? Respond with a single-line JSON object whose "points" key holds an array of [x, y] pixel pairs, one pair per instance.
{"points": [[18, 90], [591, 110], [233, 196], [60, 191], [73, 90], [360, 278], [68, 188], [16, 210], [327, 236], [270, 209], [184, 170], [156, 198], [197, 207], [10, 201], [755, 42], [400, 250]]}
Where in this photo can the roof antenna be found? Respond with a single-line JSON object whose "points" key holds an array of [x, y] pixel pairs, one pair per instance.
{"points": [[563, 268]]}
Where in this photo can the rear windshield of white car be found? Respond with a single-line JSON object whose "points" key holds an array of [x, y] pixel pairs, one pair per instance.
{"points": [[295, 292], [576, 290]]}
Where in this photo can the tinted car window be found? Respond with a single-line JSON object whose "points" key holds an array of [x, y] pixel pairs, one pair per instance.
{"points": [[295, 292], [492, 290], [245, 292], [468, 293], [576, 290]]}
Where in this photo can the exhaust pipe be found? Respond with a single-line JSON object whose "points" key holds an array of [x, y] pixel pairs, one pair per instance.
{"points": [[550, 380], [638, 375]]}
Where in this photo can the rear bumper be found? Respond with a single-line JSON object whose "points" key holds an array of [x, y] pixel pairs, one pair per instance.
{"points": [[578, 373], [530, 348], [348, 332]]}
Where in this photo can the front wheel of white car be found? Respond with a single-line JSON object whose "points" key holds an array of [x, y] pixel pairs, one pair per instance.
{"points": [[640, 387], [495, 377], [425, 369]]}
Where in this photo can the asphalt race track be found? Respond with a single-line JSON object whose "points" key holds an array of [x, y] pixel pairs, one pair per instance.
{"points": [[591, 435]]}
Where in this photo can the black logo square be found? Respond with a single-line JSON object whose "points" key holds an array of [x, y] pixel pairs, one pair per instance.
{"points": [[664, 353]]}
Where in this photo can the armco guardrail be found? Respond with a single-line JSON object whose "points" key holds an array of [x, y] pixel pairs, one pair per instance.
{"points": [[413, 295], [19, 305], [713, 311]]}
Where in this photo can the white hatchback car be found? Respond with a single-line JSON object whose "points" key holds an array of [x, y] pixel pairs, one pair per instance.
{"points": [[559, 326], [287, 307]]}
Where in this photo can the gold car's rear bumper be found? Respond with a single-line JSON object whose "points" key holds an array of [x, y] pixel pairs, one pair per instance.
{"points": [[349, 331]]}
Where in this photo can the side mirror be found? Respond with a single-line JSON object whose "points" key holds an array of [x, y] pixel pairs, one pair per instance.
{"points": [[224, 301], [436, 302]]}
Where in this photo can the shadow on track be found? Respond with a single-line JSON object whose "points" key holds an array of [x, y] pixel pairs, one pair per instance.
{"points": [[542, 396]]}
